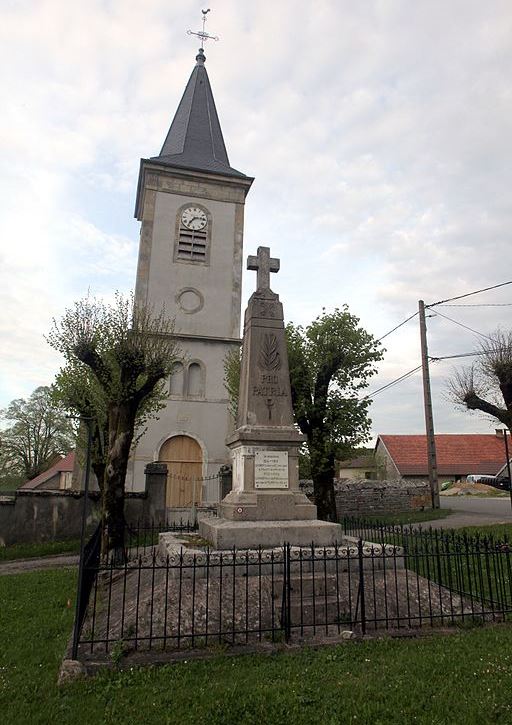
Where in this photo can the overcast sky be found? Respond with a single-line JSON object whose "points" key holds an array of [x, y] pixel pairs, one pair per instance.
{"points": [[379, 133]]}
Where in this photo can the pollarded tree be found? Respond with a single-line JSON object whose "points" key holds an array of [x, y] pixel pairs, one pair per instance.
{"points": [[76, 388], [486, 386], [37, 432], [331, 361], [117, 358]]}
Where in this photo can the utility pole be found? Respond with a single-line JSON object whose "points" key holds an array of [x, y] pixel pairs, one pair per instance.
{"points": [[503, 432], [429, 418]]}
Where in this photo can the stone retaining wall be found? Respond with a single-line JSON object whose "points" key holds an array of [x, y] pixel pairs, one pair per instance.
{"points": [[377, 498], [32, 516]]}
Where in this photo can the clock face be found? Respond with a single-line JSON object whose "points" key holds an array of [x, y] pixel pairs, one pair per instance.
{"points": [[194, 218]]}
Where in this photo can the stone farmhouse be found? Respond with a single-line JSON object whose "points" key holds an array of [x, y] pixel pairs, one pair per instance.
{"points": [[362, 467], [57, 477]]}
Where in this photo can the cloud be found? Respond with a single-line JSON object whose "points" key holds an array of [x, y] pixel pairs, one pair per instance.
{"points": [[378, 133]]}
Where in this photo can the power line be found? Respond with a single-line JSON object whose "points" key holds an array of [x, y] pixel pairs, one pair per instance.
{"points": [[465, 354], [396, 328], [460, 324], [468, 294], [487, 304], [443, 302], [392, 383], [406, 375], [452, 357]]}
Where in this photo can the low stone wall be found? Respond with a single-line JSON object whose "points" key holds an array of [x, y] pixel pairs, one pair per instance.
{"points": [[377, 498], [34, 516], [31, 516]]}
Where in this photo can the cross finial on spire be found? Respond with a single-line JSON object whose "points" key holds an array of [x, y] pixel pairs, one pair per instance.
{"points": [[264, 264], [200, 57]]}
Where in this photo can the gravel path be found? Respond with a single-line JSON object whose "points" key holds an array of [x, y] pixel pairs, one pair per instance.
{"points": [[459, 520], [18, 566]]}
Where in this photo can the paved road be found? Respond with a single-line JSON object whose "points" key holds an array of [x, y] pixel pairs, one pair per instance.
{"points": [[474, 511]]}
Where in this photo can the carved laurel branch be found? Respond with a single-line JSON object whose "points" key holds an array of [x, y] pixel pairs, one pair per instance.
{"points": [[269, 358]]}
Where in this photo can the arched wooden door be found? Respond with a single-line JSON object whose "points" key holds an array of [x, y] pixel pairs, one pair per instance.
{"points": [[184, 460]]}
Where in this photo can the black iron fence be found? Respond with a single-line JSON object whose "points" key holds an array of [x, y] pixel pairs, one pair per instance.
{"points": [[87, 573], [187, 596], [417, 535], [143, 535]]}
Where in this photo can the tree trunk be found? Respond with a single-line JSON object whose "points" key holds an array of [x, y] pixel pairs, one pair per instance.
{"points": [[322, 473], [98, 468], [121, 427], [98, 463]]}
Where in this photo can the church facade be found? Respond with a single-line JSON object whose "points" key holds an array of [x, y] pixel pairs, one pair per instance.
{"points": [[190, 203]]}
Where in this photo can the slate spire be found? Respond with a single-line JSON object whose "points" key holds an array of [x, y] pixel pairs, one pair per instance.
{"points": [[194, 140]]}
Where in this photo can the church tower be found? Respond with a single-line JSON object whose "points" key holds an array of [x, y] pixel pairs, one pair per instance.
{"points": [[190, 203]]}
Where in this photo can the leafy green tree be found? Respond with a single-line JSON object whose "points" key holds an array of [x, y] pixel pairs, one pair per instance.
{"points": [[37, 432], [76, 388], [232, 369], [486, 386], [117, 359], [331, 361]]}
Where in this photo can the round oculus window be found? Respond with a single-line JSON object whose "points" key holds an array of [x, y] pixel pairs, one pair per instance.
{"points": [[190, 300]]}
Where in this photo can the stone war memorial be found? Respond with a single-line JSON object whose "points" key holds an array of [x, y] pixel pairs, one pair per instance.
{"points": [[265, 568], [265, 506]]}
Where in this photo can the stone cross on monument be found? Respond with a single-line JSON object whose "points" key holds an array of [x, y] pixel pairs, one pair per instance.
{"points": [[263, 264], [266, 505]]}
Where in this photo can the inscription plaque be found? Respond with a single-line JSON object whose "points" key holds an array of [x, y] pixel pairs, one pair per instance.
{"points": [[271, 469]]}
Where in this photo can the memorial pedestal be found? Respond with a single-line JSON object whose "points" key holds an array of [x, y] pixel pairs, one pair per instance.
{"points": [[226, 534]]}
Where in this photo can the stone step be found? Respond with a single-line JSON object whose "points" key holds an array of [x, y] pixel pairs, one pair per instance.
{"points": [[317, 610], [317, 584]]}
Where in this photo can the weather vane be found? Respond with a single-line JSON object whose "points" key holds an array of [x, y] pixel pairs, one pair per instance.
{"points": [[202, 33]]}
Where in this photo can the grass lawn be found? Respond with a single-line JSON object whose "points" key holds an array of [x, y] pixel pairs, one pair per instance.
{"points": [[479, 568], [464, 678], [498, 531], [46, 548]]}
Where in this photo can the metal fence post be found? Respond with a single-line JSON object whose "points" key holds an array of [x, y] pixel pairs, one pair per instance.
{"points": [[286, 597], [79, 593], [194, 508], [361, 585], [288, 593]]}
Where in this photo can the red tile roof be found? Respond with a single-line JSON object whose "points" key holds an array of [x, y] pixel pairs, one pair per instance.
{"points": [[456, 454], [65, 465]]}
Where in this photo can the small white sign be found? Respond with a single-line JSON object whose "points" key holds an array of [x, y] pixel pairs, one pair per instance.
{"points": [[271, 469]]}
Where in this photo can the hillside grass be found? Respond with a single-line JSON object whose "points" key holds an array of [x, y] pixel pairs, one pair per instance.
{"points": [[465, 677]]}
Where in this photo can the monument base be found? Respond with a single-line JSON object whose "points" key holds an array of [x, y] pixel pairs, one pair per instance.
{"points": [[226, 534], [267, 506]]}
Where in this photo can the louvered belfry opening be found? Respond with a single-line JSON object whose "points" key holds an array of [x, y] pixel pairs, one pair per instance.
{"points": [[192, 244]]}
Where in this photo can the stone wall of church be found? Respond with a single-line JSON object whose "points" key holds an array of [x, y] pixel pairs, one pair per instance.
{"points": [[207, 331]]}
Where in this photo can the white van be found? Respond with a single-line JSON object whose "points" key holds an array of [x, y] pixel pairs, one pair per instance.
{"points": [[481, 478]]}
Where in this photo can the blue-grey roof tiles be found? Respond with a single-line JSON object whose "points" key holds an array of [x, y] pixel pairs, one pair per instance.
{"points": [[194, 140]]}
